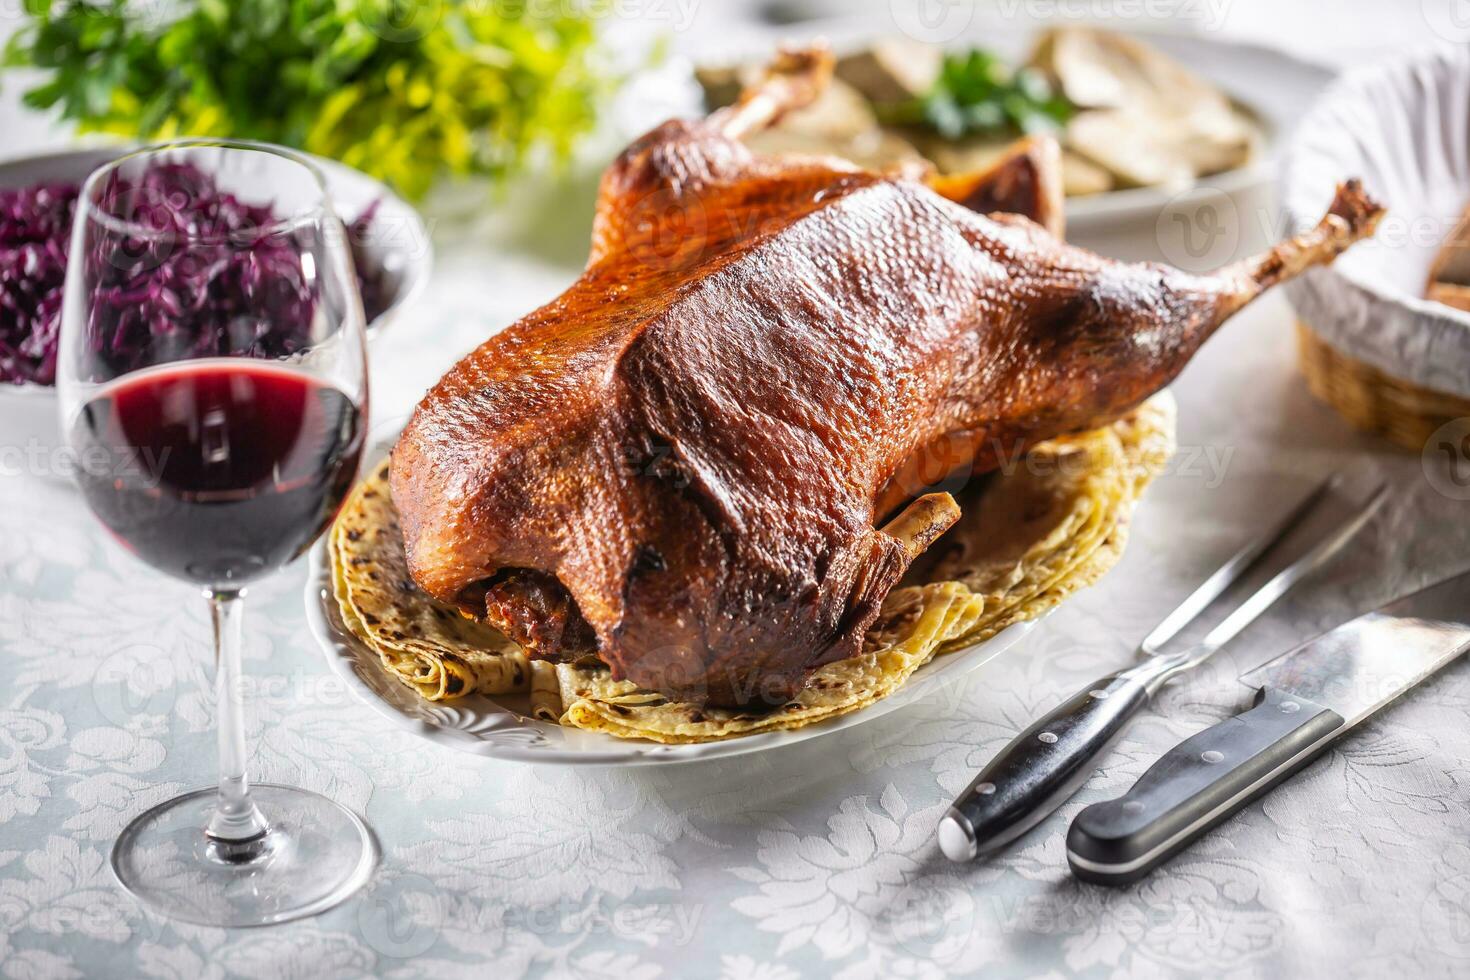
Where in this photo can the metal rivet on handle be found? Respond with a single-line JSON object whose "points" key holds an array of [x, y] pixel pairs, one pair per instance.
{"points": [[1212, 756], [1048, 737], [1290, 706], [1099, 694], [985, 789]]}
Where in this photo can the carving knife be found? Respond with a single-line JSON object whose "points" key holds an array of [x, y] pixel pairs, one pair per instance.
{"points": [[1045, 764], [1305, 700]]}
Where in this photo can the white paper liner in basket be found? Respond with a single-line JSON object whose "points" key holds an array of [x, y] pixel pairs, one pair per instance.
{"points": [[1404, 127]]}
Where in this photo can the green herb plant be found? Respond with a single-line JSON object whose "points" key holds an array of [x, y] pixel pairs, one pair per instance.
{"points": [[977, 93], [405, 90]]}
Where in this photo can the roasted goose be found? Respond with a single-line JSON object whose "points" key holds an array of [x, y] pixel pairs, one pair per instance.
{"points": [[678, 464]]}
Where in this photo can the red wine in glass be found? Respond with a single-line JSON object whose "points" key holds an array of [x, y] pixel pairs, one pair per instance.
{"points": [[212, 381], [217, 471]]}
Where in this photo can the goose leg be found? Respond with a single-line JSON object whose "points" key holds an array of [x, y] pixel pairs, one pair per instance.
{"points": [[793, 80], [1026, 181]]}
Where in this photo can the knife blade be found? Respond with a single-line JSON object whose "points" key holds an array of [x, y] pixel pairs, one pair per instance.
{"points": [[1305, 700]]}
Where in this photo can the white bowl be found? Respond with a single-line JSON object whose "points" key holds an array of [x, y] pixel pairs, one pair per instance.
{"points": [[30, 432], [1404, 127]]}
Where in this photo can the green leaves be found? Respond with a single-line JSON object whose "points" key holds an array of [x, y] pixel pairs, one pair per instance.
{"points": [[978, 94], [407, 90]]}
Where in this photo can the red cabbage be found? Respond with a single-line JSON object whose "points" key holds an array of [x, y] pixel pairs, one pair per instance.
{"points": [[236, 293], [35, 230]]}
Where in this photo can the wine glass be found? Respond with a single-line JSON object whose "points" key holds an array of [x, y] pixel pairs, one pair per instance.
{"points": [[213, 386]]}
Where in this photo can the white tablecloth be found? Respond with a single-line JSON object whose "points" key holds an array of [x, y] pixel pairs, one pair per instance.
{"points": [[816, 861]]}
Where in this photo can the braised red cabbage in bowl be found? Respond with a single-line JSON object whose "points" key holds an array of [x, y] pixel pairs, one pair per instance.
{"points": [[216, 300]]}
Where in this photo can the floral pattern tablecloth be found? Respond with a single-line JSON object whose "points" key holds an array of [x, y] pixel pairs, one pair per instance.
{"points": [[818, 861]]}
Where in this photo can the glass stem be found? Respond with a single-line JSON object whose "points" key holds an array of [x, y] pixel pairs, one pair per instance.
{"points": [[235, 815]]}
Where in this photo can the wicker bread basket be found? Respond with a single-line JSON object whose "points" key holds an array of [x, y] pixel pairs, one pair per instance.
{"points": [[1372, 400], [1371, 344]]}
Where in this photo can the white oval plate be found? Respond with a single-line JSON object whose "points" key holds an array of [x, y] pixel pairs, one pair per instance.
{"points": [[1277, 87], [482, 726]]}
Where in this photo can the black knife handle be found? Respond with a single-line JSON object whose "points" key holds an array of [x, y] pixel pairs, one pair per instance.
{"points": [[1196, 785], [1043, 766]]}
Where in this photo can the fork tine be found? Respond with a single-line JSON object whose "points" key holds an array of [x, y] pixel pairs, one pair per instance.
{"points": [[1318, 555], [1227, 574]]}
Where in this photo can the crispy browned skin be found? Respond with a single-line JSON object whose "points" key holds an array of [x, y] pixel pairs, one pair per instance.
{"points": [[762, 359]]}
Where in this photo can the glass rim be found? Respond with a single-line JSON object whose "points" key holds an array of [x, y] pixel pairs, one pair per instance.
{"points": [[91, 211]]}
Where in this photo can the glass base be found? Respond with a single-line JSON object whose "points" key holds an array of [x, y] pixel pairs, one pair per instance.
{"points": [[315, 854]]}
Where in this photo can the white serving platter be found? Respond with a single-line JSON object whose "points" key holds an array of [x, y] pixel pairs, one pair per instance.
{"points": [[485, 726]]}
